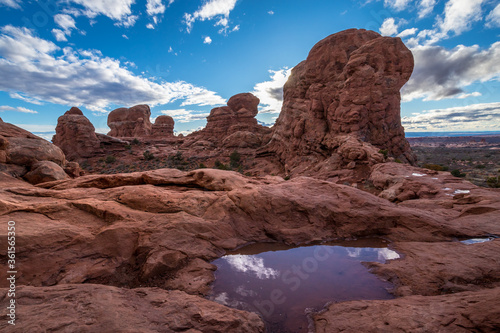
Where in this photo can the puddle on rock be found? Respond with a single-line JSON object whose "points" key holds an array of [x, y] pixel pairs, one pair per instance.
{"points": [[477, 240], [281, 282]]}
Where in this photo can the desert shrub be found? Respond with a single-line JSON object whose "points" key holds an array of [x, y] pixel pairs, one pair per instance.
{"points": [[219, 165], [493, 181], [397, 160], [135, 141], [148, 156], [436, 167], [457, 173], [177, 157], [128, 147], [384, 152], [202, 166], [110, 159], [235, 159], [287, 177], [480, 166]]}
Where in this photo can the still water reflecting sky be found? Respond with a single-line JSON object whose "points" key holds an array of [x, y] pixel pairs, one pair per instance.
{"points": [[281, 282]]}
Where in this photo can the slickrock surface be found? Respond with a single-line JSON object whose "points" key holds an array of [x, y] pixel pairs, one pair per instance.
{"points": [[161, 228], [344, 97], [75, 135], [455, 313], [130, 122], [98, 308]]}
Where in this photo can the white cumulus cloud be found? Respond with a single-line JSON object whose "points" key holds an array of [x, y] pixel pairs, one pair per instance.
{"points": [[397, 5], [443, 73], [459, 15], [389, 27], [211, 9], [426, 7], [117, 10], [270, 92], [16, 4], [470, 117], [82, 77], [493, 18], [17, 109], [207, 40], [185, 116]]}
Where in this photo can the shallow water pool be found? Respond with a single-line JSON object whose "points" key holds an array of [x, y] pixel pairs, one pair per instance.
{"points": [[282, 283]]}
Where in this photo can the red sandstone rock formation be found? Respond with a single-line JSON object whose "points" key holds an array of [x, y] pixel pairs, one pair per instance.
{"points": [[347, 87], [163, 127], [21, 151], [232, 126], [75, 135], [45, 171], [130, 122]]}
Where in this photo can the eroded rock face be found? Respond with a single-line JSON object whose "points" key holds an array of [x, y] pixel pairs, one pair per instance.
{"points": [[75, 135], [163, 126], [347, 87], [45, 171], [130, 122], [233, 125]]}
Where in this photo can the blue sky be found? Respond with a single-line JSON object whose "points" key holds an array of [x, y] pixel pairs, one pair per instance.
{"points": [[185, 57]]}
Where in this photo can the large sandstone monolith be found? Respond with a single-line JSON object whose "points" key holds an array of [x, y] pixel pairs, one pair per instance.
{"points": [[130, 122], [75, 135], [345, 92]]}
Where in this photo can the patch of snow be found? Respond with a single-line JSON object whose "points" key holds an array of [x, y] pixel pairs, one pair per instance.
{"points": [[418, 174]]}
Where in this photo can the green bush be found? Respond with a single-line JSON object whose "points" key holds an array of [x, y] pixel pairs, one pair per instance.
{"points": [[493, 181], [135, 141], [457, 173], [110, 159], [148, 156], [202, 166], [384, 152], [480, 166], [177, 157], [235, 159], [128, 147], [436, 167], [219, 165]]}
